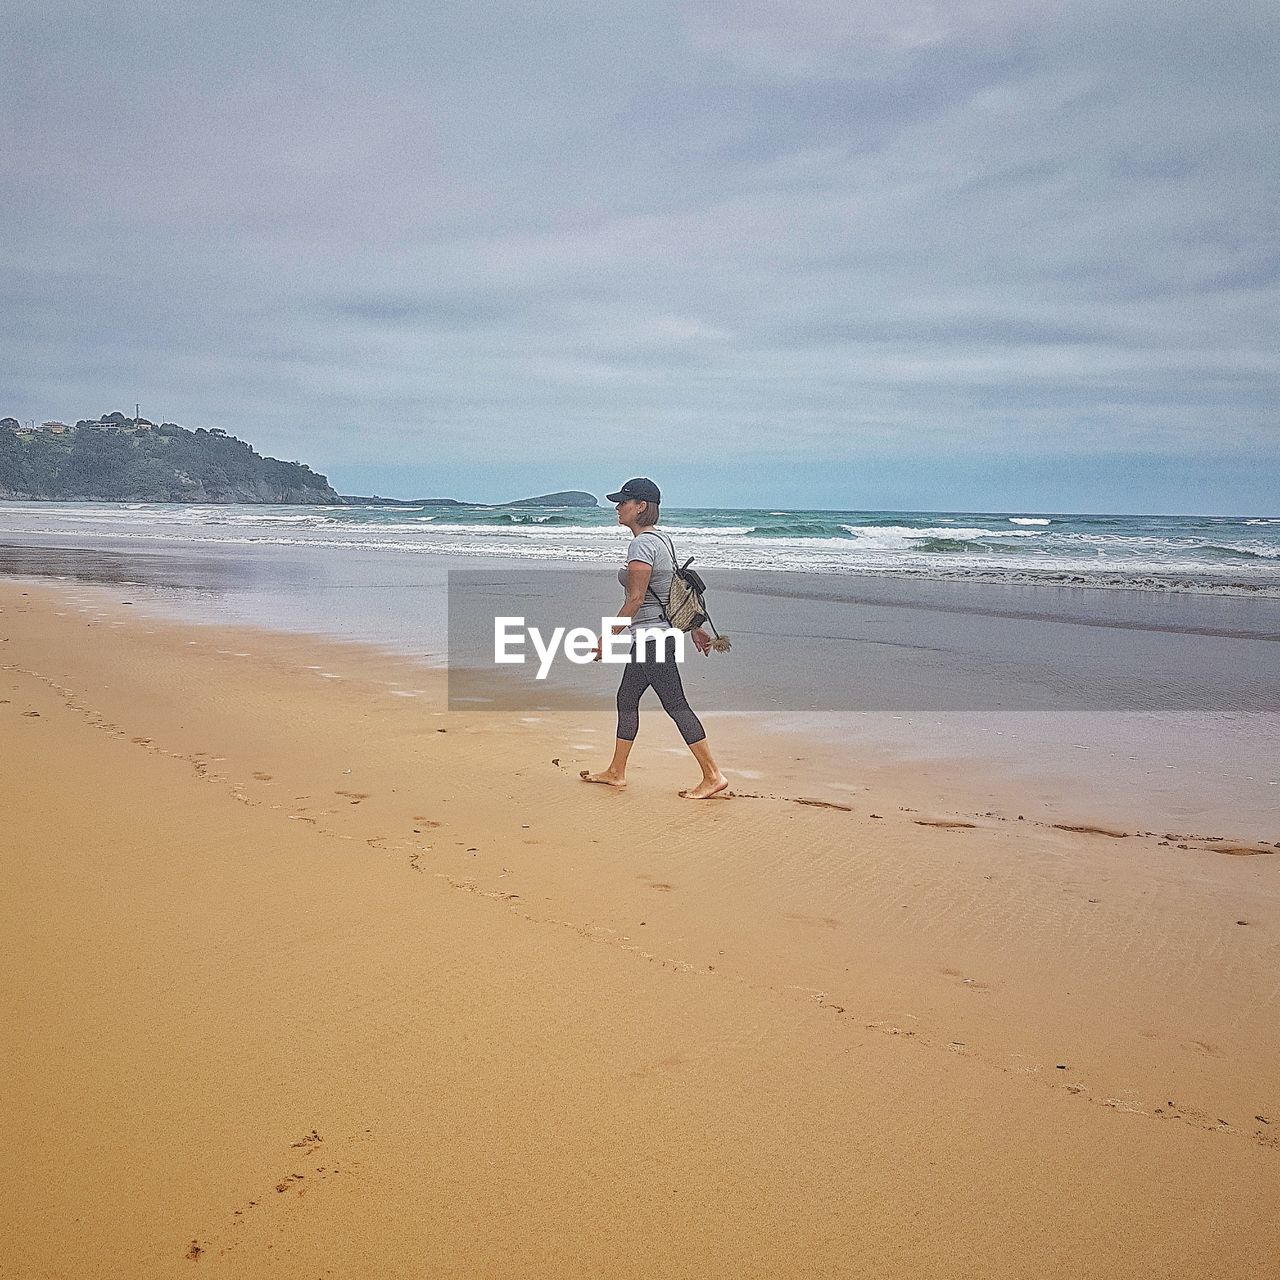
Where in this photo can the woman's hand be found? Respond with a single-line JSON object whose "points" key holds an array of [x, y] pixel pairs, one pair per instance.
{"points": [[702, 640]]}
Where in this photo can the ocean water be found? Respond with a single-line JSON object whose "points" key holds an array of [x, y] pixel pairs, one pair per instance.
{"points": [[1199, 554], [973, 644]]}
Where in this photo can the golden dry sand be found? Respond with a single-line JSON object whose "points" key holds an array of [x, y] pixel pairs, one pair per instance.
{"points": [[305, 977]]}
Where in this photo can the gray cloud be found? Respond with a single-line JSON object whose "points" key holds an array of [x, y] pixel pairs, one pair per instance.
{"points": [[360, 234]]}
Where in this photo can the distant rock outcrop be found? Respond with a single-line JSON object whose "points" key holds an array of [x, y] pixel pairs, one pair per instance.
{"points": [[357, 500], [565, 498], [119, 459]]}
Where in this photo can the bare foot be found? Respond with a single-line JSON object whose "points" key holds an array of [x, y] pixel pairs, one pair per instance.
{"points": [[709, 789], [608, 778]]}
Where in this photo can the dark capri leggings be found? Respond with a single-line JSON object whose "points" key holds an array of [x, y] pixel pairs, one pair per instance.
{"points": [[664, 677]]}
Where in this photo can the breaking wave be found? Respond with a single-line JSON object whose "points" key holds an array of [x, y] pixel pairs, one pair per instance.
{"points": [[1166, 553]]}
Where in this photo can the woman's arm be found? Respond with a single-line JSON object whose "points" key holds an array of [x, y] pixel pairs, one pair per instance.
{"points": [[638, 574]]}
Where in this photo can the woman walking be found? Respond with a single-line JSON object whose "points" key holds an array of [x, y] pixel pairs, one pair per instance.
{"points": [[647, 578]]}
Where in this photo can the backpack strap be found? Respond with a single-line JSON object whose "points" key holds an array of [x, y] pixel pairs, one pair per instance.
{"points": [[662, 607], [671, 548]]}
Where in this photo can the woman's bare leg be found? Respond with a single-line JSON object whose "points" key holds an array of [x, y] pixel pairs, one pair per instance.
{"points": [[616, 774], [635, 680], [713, 783]]}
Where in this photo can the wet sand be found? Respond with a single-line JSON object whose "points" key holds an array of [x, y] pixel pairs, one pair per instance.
{"points": [[1138, 709], [305, 974]]}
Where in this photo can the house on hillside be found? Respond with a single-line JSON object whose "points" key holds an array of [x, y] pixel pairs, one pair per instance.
{"points": [[108, 422], [116, 422]]}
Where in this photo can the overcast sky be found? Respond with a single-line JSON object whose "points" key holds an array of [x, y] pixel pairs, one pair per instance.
{"points": [[975, 254]]}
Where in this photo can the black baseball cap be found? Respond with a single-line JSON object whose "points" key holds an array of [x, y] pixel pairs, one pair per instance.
{"points": [[641, 489]]}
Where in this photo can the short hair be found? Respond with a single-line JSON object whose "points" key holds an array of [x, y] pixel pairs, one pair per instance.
{"points": [[649, 516]]}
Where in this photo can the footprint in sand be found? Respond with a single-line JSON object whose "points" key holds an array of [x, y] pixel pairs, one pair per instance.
{"points": [[671, 1063], [972, 983], [1204, 1047], [820, 922], [1087, 830], [294, 1180], [661, 885]]}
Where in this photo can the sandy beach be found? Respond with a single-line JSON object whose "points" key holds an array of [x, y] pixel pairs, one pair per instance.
{"points": [[305, 975]]}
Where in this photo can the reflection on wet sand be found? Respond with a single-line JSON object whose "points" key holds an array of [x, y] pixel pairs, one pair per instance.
{"points": [[159, 569]]}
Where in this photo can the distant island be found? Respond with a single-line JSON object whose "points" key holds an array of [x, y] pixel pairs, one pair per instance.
{"points": [[119, 459], [565, 498]]}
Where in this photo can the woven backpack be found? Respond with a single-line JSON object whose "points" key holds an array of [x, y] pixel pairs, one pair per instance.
{"points": [[685, 606]]}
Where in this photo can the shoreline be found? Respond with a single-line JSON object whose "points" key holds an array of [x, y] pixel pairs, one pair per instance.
{"points": [[939, 792], [304, 981], [988, 701]]}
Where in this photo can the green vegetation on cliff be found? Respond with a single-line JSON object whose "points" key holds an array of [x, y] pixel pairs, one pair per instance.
{"points": [[119, 459]]}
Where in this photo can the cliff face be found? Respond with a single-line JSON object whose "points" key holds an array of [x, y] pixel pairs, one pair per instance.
{"points": [[118, 460]]}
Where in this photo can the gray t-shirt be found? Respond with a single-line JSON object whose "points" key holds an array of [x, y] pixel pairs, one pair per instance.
{"points": [[651, 547]]}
